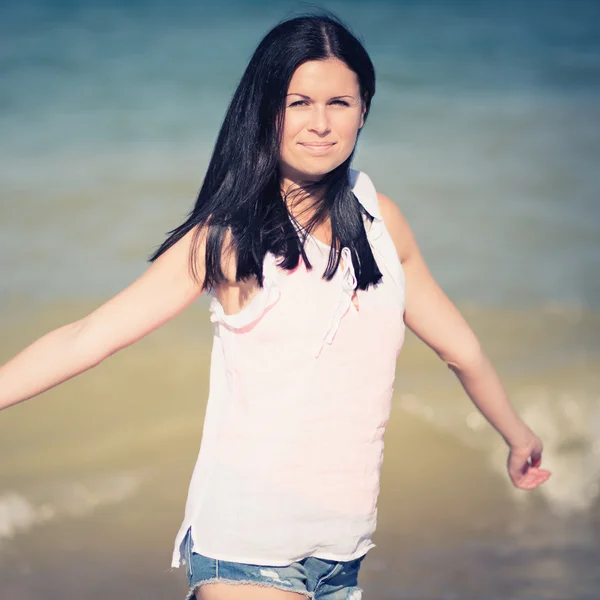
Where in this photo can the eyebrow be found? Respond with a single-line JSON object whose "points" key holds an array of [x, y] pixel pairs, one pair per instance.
{"points": [[309, 98]]}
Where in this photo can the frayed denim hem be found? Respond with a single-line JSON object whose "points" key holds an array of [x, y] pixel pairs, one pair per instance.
{"points": [[192, 591]]}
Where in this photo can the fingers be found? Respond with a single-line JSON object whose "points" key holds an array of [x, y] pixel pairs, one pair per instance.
{"points": [[522, 460], [532, 479], [518, 464], [536, 454], [524, 465]]}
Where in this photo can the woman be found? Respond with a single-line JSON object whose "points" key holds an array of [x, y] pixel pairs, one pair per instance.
{"points": [[313, 276]]}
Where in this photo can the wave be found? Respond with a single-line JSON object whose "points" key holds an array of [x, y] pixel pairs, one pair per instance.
{"points": [[567, 423], [21, 512]]}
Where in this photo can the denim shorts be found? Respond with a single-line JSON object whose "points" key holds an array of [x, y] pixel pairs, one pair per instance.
{"points": [[315, 578]]}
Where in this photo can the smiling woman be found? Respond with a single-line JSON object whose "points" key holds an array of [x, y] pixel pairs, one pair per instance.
{"points": [[314, 276], [321, 127]]}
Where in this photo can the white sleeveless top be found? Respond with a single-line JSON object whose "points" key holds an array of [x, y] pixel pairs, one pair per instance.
{"points": [[300, 393]]}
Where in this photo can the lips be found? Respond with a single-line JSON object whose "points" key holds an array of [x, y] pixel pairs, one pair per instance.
{"points": [[317, 148], [317, 144]]}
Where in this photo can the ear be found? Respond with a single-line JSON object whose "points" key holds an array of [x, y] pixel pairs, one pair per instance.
{"points": [[362, 114]]}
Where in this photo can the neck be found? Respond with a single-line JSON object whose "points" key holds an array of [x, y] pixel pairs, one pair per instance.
{"points": [[300, 201]]}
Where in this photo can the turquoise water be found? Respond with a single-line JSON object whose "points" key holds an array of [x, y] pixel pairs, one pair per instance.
{"points": [[485, 129]]}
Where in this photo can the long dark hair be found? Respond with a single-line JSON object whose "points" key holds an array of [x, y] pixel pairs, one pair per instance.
{"points": [[241, 193]]}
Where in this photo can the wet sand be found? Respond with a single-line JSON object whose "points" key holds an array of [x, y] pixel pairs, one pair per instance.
{"points": [[95, 474]]}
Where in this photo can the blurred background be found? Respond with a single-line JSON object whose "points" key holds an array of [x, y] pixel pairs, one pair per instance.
{"points": [[485, 129]]}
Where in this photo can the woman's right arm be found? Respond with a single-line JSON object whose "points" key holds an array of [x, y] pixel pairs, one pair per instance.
{"points": [[164, 290]]}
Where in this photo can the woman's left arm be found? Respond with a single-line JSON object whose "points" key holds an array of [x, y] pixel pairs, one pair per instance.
{"points": [[435, 320]]}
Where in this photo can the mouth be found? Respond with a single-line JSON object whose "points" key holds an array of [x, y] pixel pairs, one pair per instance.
{"points": [[317, 144], [317, 147]]}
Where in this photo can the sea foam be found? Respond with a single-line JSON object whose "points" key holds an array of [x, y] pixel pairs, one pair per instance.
{"points": [[21, 511]]}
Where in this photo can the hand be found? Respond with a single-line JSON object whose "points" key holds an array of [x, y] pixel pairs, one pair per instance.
{"points": [[524, 462]]}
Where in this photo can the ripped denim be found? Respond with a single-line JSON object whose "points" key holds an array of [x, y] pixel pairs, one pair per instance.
{"points": [[315, 578]]}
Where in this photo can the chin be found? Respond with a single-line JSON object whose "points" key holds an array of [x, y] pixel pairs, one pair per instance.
{"points": [[312, 170], [317, 171]]}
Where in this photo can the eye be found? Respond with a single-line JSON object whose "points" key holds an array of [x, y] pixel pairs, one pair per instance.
{"points": [[298, 103], [340, 102]]}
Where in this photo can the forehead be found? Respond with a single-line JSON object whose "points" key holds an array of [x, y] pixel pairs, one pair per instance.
{"points": [[330, 76]]}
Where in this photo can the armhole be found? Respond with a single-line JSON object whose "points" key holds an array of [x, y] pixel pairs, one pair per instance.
{"points": [[251, 314], [381, 242]]}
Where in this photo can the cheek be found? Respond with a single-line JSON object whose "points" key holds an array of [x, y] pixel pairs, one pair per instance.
{"points": [[292, 127], [348, 139], [347, 126]]}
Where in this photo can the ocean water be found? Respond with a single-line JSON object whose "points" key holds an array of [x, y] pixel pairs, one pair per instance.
{"points": [[485, 130]]}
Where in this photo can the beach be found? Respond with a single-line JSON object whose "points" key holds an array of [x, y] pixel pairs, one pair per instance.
{"points": [[95, 472]]}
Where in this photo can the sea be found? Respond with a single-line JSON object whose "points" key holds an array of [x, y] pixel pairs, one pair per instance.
{"points": [[484, 129]]}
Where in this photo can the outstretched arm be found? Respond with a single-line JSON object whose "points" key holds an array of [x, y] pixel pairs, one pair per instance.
{"points": [[435, 320], [164, 290]]}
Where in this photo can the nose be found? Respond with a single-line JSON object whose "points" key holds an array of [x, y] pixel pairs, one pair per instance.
{"points": [[319, 123]]}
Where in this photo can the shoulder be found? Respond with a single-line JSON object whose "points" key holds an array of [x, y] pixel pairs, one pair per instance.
{"points": [[382, 207], [377, 204], [396, 225], [364, 190], [390, 211]]}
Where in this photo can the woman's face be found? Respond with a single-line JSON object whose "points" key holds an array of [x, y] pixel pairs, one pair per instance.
{"points": [[323, 114]]}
